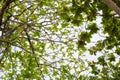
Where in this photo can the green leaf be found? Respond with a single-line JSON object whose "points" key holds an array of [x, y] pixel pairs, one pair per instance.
{"points": [[93, 28]]}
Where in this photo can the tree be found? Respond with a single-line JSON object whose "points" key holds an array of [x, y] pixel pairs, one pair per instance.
{"points": [[47, 39]]}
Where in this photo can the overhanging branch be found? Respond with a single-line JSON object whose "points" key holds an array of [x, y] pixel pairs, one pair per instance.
{"points": [[4, 7], [113, 6]]}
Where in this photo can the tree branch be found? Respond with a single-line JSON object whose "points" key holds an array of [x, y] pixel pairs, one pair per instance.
{"points": [[7, 3], [113, 6], [29, 40]]}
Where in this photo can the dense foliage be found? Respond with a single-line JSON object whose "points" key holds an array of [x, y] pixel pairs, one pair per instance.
{"points": [[51, 40]]}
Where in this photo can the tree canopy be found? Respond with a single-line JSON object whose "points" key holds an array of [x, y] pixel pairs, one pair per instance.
{"points": [[51, 39]]}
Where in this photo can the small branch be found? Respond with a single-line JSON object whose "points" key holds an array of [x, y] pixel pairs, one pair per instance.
{"points": [[31, 46], [113, 6], [29, 40], [4, 52], [22, 48]]}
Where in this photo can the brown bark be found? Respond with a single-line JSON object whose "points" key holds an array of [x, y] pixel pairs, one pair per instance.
{"points": [[113, 6], [4, 7]]}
